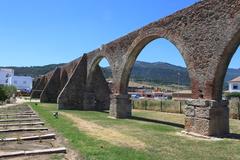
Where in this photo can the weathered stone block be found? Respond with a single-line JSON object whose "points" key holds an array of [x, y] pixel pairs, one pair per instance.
{"points": [[189, 124], [89, 101], [190, 111], [203, 112], [219, 124], [120, 106], [202, 126], [197, 102], [210, 119]]}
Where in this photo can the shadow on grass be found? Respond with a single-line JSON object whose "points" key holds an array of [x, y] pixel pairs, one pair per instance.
{"points": [[157, 121], [232, 136], [152, 120], [104, 111]]}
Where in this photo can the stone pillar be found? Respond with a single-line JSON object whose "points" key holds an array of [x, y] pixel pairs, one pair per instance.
{"points": [[89, 102], [207, 117], [120, 106]]}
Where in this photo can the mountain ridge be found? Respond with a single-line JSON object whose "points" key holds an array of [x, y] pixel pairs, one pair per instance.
{"points": [[155, 72]]}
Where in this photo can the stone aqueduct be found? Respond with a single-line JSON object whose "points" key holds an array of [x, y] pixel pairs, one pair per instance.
{"points": [[206, 34]]}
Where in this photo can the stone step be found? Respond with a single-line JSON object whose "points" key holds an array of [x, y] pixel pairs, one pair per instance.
{"points": [[23, 130], [33, 152], [21, 124], [18, 116], [20, 120], [28, 138]]}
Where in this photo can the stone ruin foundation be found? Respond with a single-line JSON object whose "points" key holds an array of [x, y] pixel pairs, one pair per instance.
{"points": [[207, 117]]}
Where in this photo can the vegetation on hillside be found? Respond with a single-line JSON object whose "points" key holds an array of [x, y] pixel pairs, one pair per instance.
{"points": [[155, 73]]}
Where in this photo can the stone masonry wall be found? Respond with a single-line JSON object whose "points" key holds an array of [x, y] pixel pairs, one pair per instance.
{"points": [[207, 117], [72, 96], [100, 88], [51, 90]]}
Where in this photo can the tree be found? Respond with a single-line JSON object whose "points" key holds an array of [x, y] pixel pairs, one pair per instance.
{"points": [[3, 95], [10, 91], [233, 94]]}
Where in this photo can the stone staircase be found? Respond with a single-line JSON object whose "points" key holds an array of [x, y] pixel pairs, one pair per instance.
{"points": [[22, 135]]}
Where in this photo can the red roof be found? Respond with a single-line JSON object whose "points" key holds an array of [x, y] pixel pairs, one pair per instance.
{"points": [[237, 79]]}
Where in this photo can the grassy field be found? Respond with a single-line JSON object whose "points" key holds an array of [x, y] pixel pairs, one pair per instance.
{"points": [[145, 136]]}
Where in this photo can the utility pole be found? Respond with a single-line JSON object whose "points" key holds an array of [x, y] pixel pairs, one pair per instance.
{"points": [[178, 80]]}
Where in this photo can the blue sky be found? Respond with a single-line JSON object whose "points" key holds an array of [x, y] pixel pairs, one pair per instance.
{"points": [[40, 32]]}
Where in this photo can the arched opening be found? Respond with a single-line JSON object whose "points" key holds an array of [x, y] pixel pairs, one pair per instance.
{"points": [[233, 72], [231, 86], [220, 78], [229, 72], [106, 69], [157, 78], [99, 84], [157, 68]]}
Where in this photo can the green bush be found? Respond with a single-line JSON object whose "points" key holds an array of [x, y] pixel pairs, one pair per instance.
{"points": [[7, 92], [233, 94], [10, 90], [3, 95]]}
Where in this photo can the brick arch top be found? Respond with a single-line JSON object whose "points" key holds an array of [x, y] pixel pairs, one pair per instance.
{"points": [[93, 65], [139, 43], [94, 62], [222, 66]]}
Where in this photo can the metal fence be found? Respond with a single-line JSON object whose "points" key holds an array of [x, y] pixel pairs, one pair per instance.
{"points": [[174, 106], [170, 106]]}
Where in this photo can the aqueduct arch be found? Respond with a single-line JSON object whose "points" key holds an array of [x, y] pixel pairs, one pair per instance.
{"points": [[97, 96], [136, 48], [94, 63], [133, 51], [206, 34], [222, 67]]}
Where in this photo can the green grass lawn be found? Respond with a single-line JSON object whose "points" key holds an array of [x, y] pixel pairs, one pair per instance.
{"points": [[162, 141]]}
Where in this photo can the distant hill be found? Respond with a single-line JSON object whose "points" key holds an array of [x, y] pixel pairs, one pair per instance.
{"points": [[33, 71], [165, 73], [157, 72]]}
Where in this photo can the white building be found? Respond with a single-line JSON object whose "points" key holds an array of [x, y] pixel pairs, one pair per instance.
{"points": [[23, 83], [5, 74], [234, 85]]}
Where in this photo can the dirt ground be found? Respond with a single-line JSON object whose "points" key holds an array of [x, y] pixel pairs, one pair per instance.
{"points": [[107, 134], [6, 147]]}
